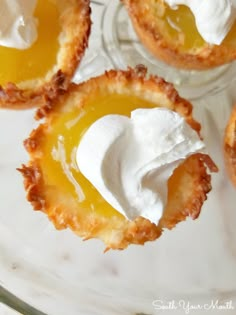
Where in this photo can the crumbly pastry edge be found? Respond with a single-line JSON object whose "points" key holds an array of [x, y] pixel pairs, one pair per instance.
{"points": [[230, 146], [115, 232], [75, 25], [207, 57]]}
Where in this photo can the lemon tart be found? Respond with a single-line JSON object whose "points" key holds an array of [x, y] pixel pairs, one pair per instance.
{"points": [[171, 35], [55, 185], [230, 146], [34, 76]]}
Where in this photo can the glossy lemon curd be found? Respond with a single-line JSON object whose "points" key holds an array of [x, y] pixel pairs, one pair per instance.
{"points": [[32, 63], [181, 26], [59, 152], [230, 39]]}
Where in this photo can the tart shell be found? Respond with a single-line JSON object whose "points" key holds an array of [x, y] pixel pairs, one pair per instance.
{"points": [[153, 35], [75, 29], [190, 184], [230, 146]]}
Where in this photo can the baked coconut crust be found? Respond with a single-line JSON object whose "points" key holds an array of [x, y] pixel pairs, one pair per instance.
{"points": [[146, 17], [188, 186], [75, 25], [230, 146]]}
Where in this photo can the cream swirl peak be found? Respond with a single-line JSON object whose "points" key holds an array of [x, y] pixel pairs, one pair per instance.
{"points": [[18, 27], [129, 160], [214, 18]]}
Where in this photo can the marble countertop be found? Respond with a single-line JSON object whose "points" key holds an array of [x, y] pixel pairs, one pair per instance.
{"points": [[5, 310]]}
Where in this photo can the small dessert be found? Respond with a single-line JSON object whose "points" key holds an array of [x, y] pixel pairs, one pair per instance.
{"points": [[40, 48], [230, 146], [118, 158], [188, 34]]}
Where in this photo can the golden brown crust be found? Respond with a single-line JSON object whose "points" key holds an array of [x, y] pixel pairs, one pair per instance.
{"points": [[151, 31], [75, 29], [116, 231], [230, 146]]}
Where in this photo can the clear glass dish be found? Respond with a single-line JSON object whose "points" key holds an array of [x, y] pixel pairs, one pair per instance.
{"points": [[44, 271]]}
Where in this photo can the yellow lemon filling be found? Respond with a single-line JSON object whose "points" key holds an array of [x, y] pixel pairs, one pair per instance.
{"points": [[58, 162], [181, 26], [21, 65]]}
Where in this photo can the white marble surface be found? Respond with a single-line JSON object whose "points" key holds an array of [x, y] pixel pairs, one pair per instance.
{"points": [[5, 310], [58, 273]]}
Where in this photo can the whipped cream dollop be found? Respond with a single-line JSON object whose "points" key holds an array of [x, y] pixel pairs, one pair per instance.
{"points": [[18, 27], [129, 160], [214, 18]]}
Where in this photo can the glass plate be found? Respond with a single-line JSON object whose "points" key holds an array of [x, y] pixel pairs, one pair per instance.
{"points": [[191, 269], [124, 48]]}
